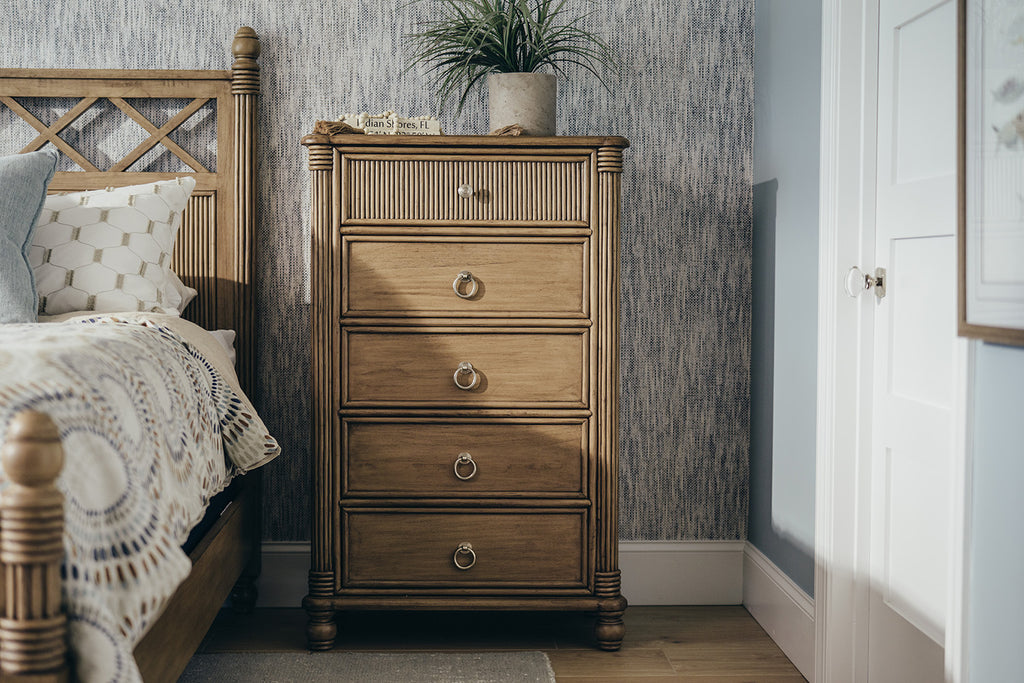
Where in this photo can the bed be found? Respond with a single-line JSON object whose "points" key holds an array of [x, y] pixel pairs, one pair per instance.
{"points": [[213, 255]]}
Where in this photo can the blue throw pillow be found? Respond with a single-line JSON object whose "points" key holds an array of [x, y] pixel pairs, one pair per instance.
{"points": [[23, 182]]}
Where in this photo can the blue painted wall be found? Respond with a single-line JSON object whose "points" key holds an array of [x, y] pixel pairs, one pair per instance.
{"points": [[787, 77], [995, 594]]}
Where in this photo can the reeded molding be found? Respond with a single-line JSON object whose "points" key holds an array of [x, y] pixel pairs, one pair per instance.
{"points": [[321, 157], [609, 160]]}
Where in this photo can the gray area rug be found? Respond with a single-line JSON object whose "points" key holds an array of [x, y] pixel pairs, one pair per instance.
{"points": [[369, 667]]}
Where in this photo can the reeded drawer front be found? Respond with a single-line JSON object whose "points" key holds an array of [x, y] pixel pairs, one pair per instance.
{"points": [[421, 548], [427, 366], [426, 188], [463, 459], [439, 276]]}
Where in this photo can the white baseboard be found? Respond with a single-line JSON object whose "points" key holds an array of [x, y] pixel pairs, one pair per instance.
{"points": [[284, 576], [782, 608], [682, 572], [653, 573]]}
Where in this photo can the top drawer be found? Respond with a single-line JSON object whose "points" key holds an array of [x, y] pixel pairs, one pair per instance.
{"points": [[471, 190]]}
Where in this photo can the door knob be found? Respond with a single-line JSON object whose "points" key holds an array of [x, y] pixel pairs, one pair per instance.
{"points": [[857, 282]]}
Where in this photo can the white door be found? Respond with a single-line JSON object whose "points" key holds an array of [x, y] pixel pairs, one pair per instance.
{"points": [[916, 353], [890, 392]]}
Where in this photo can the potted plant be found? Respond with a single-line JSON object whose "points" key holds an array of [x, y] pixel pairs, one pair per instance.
{"points": [[508, 41]]}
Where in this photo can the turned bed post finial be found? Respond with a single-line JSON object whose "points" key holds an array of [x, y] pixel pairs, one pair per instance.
{"points": [[33, 630], [245, 71]]}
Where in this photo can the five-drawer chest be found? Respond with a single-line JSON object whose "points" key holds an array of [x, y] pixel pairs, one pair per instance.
{"points": [[465, 376]]}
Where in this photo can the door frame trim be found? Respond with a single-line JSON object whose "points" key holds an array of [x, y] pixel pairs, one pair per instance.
{"points": [[840, 592], [961, 487]]}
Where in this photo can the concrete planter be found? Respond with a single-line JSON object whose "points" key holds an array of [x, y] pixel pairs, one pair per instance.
{"points": [[524, 98]]}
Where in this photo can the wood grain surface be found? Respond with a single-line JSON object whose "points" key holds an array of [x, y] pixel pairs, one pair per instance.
{"points": [[416, 367], [417, 549], [508, 277], [514, 459]]}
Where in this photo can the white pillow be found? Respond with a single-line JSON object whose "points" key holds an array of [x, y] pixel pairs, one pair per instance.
{"points": [[109, 250], [184, 291], [226, 338]]}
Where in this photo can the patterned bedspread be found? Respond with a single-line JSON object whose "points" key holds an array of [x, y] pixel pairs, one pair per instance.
{"points": [[152, 429]]}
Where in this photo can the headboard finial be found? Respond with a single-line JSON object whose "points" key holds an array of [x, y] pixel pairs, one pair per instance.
{"points": [[245, 72]]}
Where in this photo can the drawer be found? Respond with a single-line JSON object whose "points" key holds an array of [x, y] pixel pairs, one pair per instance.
{"points": [[420, 367], [410, 189], [425, 277], [420, 548], [392, 458]]}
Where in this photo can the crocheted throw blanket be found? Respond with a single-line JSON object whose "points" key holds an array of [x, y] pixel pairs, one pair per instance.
{"points": [[151, 429]]}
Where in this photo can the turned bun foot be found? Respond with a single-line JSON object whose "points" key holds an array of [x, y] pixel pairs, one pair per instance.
{"points": [[610, 628], [609, 634], [321, 630]]}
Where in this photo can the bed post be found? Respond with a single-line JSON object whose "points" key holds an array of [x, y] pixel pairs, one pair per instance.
{"points": [[245, 88], [33, 629]]}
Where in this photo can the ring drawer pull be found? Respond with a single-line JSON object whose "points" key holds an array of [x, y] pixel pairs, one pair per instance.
{"points": [[466, 190], [465, 278], [464, 549], [466, 369], [465, 459]]}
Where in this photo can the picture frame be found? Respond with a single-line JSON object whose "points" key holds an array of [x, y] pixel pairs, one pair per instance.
{"points": [[990, 157]]}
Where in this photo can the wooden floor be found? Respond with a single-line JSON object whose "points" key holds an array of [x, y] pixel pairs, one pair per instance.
{"points": [[692, 644]]}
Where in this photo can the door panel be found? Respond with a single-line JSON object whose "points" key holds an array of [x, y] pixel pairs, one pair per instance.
{"points": [[923, 335], [923, 116], [916, 351]]}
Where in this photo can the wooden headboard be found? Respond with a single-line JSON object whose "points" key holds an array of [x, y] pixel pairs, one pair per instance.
{"points": [[214, 249]]}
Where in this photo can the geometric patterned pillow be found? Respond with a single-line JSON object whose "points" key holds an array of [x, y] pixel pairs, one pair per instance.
{"points": [[109, 250]]}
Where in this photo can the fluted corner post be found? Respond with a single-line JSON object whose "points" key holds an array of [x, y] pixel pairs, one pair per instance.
{"points": [[33, 628], [610, 628], [245, 88], [324, 314]]}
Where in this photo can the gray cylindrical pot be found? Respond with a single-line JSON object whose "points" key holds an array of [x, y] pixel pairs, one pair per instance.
{"points": [[524, 98]]}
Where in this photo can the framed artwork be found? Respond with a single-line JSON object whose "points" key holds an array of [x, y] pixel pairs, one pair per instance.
{"points": [[991, 170]]}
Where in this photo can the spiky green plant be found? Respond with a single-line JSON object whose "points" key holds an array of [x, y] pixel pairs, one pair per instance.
{"points": [[474, 38]]}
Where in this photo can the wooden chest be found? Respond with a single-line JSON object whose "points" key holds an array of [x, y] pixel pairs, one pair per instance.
{"points": [[465, 376]]}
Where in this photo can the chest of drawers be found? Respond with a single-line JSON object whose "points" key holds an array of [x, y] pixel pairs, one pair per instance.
{"points": [[464, 296]]}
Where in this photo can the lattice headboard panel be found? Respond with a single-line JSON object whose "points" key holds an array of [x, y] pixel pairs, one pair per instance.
{"points": [[125, 127]]}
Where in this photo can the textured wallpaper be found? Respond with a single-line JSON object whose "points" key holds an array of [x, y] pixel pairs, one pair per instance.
{"points": [[684, 97]]}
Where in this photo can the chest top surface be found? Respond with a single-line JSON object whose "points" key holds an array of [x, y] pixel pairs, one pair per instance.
{"points": [[467, 142]]}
